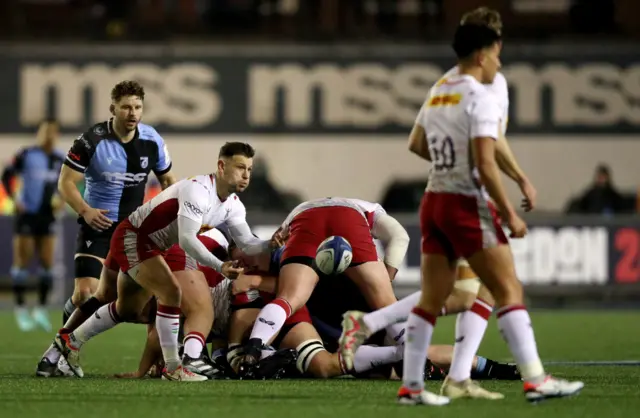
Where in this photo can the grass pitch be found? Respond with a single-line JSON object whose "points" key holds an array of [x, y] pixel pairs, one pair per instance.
{"points": [[611, 391]]}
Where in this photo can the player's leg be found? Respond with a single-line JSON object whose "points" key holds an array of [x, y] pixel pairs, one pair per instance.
{"points": [[482, 367], [470, 328], [45, 246], [313, 359], [23, 247], [197, 308], [132, 299], [240, 324]]}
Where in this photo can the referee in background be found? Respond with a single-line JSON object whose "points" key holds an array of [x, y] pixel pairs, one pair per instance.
{"points": [[38, 167]]}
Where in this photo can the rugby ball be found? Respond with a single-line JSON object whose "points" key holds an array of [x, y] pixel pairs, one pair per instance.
{"points": [[333, 255]]}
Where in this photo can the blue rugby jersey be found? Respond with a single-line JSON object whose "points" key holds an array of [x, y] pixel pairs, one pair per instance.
{"points": [[39, 171], [116, 173]]}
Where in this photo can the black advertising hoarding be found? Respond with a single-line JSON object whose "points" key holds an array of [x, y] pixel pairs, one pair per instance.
{"points": [[581, 88]]}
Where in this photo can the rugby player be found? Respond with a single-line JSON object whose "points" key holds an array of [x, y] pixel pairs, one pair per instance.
{"points": [[38, 166], [462, 121], [306, 227], [473, 301], [114, 158], [175, 216]]}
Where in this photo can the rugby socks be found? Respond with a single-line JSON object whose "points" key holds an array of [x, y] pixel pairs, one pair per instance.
{"points": [[168, 326], [419, 332], [470, 328], [18, 278], [81, 314], [396, 331], [104, 319], [368, 357], [515, 326], [193, 344], [392, 314], [271, 319], [69, 307], [44, 286]]}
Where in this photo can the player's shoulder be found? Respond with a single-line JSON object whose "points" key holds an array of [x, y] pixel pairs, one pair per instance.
{"points": [[235, 202], [206, 181], [499, 85], [149, 133], [95, 134]]}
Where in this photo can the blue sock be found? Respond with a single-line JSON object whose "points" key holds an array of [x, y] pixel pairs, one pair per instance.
{"points": [[44, 286], [481, 364]]}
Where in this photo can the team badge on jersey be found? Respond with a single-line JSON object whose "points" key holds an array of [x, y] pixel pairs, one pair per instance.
{"points": [[144, 162]]}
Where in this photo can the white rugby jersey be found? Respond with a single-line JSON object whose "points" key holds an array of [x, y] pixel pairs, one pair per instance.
{"points": [[195, 198], [499, 88], [458, 109], [367, 209]]}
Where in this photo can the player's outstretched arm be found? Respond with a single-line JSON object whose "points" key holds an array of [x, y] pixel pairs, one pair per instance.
{"points": [[418, 142], [241, 232], [395, 240]]}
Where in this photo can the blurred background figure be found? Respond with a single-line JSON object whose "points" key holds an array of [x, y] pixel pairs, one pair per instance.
{"points": [[602, 197], [37, 167]]}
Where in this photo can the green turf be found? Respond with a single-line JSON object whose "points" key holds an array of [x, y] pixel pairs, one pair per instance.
{"points": [[610, 391]]}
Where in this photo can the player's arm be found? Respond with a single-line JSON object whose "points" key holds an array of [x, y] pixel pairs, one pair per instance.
{"points": [[241, 233], [485, 128], [418, 137], [11, 171], [394, 238], [193, 199], [509, 165], [246, 282], [162, 169]]}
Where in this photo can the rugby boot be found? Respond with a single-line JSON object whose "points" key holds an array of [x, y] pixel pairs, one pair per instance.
{"points": [[420, 397], [354, 334], [181, 374], [46, 368], [251, 357], [41, 319], [467, 389], [551, 388], [70, 353], [24, 320], [201, 366], [274, 366]]}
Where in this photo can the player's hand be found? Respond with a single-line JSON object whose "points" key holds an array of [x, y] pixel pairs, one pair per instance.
{"points": [[517, 226], [529, 194], [241, 284], [231, 270], [278, 239], [96, 219]]}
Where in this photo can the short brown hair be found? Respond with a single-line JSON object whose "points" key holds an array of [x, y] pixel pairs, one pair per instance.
{"points": [[127, 88], [230, 149], [484, 16]]}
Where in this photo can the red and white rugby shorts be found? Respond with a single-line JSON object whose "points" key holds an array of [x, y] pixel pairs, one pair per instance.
{"points": [[458, 226], [309, 228], [130, 248]]}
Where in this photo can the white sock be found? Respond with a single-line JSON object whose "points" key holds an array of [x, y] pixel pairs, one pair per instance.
{"points": [[392, 314], [470, 328], [367, 357], [52, 354], [270, 320], [419, 331], [266, 353], [397, 332], [102, 320], [193, 344], [168, 325], [515, 325]]}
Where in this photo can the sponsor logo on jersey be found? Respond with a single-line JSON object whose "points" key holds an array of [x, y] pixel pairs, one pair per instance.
{"points": [[130, 179], [193, 208]]}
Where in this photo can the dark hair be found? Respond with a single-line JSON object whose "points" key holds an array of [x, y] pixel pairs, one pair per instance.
{"points": [[472, 37], [127, 88], [483, 16], [230, 149]]}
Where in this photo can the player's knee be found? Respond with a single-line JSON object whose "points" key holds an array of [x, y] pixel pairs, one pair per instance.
{"points": [[509, 293], [84, 288], [307, 352]]}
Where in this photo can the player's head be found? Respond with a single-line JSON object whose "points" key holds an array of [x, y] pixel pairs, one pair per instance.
{"points": [[235, 162], [48, 132], [483, 16], [127, 99], [478, 50]]}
